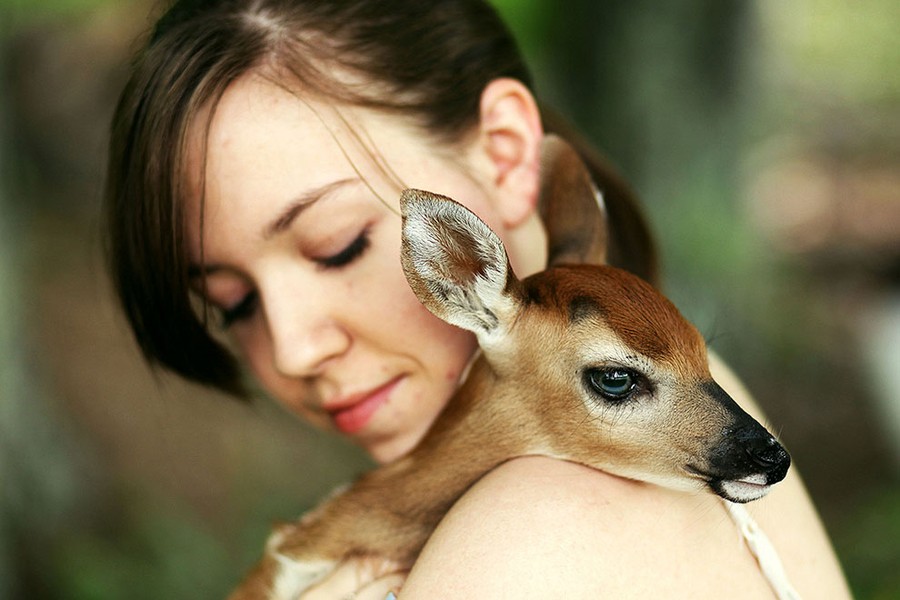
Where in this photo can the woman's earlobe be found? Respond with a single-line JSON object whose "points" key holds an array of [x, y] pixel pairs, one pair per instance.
{"points": [[510, 134]]}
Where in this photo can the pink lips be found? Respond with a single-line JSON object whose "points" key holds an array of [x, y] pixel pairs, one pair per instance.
{"points": [[353, 413]]}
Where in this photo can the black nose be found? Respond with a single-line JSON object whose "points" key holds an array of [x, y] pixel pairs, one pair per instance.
{"points": [[766, 453]]}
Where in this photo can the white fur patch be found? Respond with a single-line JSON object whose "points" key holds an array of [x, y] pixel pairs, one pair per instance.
{"points": [[294, 577], [747, 489], [598, 196]]}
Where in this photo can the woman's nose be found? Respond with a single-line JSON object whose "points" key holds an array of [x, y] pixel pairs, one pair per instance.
{"points": [[304, 338]]}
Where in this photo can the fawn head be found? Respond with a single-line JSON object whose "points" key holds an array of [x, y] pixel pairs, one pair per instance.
{"points": [[606, 366]]}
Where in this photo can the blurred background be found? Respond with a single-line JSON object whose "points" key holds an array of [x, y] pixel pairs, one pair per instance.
{"points": [[763, 137]]}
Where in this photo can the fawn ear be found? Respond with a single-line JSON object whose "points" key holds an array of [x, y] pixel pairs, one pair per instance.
{"points": [[571, 207], [456, 265]]}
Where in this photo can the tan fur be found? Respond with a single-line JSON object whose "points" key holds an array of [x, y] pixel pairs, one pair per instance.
{"points": [[546, 340]]}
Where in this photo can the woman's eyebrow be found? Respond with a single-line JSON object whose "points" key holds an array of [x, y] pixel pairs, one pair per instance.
{"points": [[287, 216], [282, 222]]}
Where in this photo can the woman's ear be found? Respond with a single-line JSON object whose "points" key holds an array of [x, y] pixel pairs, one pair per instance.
{"points": [[510, 133]]}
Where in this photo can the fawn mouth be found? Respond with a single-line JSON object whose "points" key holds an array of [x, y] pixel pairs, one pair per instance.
{"points": [[745, 489], [741, 490]]}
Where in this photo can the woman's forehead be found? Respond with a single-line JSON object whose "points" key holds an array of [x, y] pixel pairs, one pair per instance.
{"points": [[257, 116], [263, 147]]}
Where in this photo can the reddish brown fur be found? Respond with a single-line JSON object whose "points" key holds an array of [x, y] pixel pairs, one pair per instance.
{"points": [[644, 319]]}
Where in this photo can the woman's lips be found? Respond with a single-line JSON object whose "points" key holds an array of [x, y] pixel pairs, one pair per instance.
{"points": [[354, 413]]}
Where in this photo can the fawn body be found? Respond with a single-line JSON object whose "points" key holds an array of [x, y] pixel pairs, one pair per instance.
{"points": [[582, 362]]}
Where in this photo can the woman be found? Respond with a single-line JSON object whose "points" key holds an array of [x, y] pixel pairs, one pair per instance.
{"points": [[256, 159]]}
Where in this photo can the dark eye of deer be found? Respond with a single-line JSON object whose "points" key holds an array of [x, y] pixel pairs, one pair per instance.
{"points": [[612, 384]]}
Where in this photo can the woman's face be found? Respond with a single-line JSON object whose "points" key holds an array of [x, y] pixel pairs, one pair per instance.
{"points": [[302, 259]]}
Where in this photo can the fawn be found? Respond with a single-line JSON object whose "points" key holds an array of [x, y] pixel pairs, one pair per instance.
{"points": [[582, 362]]}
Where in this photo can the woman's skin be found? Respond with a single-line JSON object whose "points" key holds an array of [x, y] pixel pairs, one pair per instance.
{"points": [[302, 257]]}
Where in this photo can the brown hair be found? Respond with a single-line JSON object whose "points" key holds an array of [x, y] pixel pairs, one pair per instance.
{"points": [[425, 60]]}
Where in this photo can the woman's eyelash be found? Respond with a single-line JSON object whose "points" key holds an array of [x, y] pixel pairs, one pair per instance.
{"points": [[247, 305], [354, 250], [239, 311]]}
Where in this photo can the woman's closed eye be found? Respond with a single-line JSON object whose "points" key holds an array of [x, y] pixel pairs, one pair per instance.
{"points": [[240, 311], [247, 306], [351, 252]]}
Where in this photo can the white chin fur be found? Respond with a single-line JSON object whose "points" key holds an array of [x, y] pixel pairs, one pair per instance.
{"points": [[746, 489]]}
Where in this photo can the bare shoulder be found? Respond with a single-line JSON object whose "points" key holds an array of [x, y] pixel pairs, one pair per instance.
{"points": [[538, 527]]}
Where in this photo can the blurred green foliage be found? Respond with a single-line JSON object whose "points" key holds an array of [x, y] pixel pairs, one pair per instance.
{"points": [[868, 546], [160, 555], [17, 14], [32, 10], [845, 49]]}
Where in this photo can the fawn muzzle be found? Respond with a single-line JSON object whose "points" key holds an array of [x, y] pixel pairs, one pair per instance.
{"points": [[747, 461]]}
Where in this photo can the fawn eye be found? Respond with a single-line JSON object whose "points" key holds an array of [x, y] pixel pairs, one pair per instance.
{"points": [[615, 383]]}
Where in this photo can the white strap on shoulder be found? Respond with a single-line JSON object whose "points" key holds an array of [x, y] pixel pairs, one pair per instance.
{"points": [[764, 551]]}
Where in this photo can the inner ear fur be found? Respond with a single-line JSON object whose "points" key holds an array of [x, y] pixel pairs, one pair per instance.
{"points": [[455, 264], [571, 207]]}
